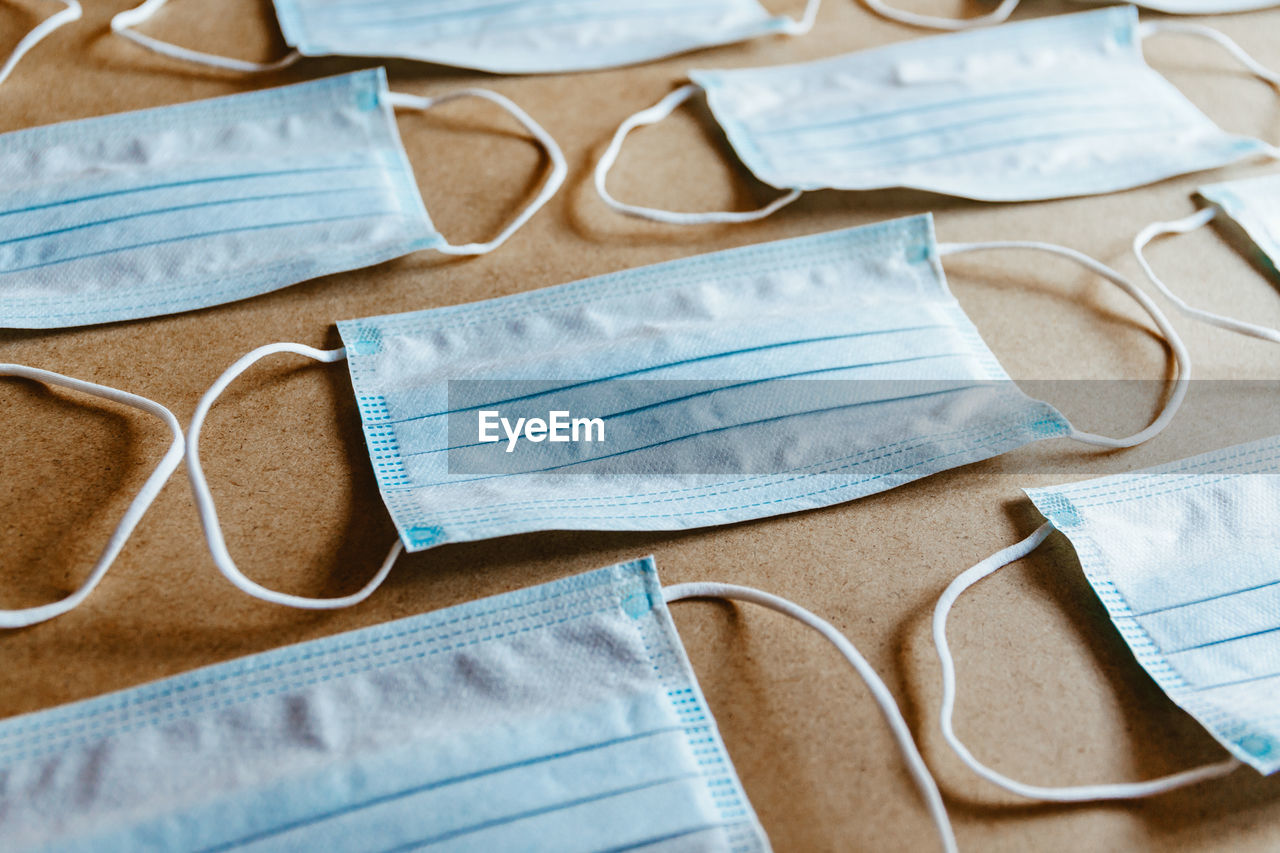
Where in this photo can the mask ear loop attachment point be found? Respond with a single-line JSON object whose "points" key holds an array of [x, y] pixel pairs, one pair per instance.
{"points": [[559, 168], [884, 699], [1181, 357], [653, 115], [1183, 226], [803, 24], [27, 616], [39, 33], [123, 23], [996, 16], [1065, 794], [209, 513]]}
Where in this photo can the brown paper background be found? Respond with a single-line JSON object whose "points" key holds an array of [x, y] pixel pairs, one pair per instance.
{"points": [[1049, 693]]}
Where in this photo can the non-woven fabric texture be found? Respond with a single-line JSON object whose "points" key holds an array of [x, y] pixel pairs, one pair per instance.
{"points": [[557, 717]]}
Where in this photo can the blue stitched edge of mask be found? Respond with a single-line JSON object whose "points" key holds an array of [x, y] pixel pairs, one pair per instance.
{"points": [[363, 89], [912, 236]]}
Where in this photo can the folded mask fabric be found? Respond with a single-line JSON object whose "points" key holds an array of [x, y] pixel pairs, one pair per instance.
{"points": [[1252, 204], [23, 617], [1183, 558], [1050, 108], [514, 37], [39, 33], [702, 372], [560, 717], [1005, 8], [181, 207]]}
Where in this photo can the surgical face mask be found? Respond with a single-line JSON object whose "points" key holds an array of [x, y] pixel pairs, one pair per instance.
{"points": [[560, 717], [1253, 204], [21, 618], [1183, 557], [518, 37], [1050, 108], [72, 12], [732, 386], [170, 209], [1002, 12]]}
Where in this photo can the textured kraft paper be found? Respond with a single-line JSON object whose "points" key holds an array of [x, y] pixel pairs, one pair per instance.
{"points": [[1048, 691]]}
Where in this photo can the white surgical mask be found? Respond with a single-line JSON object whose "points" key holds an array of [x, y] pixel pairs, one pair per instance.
{"points": [[1005, 8], [1050, 108], [560, 717], [21, 618], [732, 386], [519, 37], [169, 209], [1183, 557], [38, 34], [1251, 203]]}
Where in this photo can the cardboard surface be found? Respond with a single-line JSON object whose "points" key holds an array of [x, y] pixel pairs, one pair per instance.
{"points": [[1049, 693]]}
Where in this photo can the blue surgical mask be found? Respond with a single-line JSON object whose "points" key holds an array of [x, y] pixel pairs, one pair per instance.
{"points": [[733, 386], [1253, 205], [23, 617], [39, 33], [1050, 108], [170, 209], [519, 37], [561, 717], [1183, 558]]}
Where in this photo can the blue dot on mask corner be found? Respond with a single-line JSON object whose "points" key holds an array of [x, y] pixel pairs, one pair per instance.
{"points": [[1256, 745]]}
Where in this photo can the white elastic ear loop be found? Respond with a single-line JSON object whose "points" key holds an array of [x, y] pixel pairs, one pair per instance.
{"points": [[805, 23], [138, 508], [1180, 354], [550, 186], [209, 513], [39, 33], [653, 115], [999, 15], [1182, 226], [883, 698], [123, 21], [1146, 29], [1066, 794]]}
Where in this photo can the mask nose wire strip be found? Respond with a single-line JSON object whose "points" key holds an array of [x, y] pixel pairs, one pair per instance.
{"points": [[805, 23], [1146, 29], [39, 33], [1180, 354], [559, 169], [1182, 226], [996, 16], [653, 115], [883, 698], [122, 24], [209, 513], [1066, 794], [21, 618]]}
